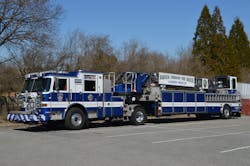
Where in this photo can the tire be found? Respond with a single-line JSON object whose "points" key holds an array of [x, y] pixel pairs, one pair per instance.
{"points": [[75, 119], [227, 113], [139, 116]]}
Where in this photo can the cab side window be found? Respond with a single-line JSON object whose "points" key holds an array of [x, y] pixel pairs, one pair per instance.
{"points": [[90, 83], [62, 84]]}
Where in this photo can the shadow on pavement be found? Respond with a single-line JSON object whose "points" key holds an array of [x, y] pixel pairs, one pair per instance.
{"points": [[179, 120], [60, 126], [99, 124]]}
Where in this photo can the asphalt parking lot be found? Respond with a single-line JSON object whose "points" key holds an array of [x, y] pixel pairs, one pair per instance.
{"points": [[171, 142]]}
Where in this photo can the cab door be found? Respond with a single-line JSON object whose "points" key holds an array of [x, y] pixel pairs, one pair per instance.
{"points": [[62, 90], [93, 95], [59, 98]]}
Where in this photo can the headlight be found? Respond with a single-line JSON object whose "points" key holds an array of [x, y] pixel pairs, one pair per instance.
{"points": [[38, 101]]}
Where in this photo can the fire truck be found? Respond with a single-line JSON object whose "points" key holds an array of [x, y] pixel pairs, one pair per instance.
{"points": [[76, 98]]}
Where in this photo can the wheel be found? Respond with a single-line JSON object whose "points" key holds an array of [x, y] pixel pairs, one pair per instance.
{"points": [[138, 117], [75, 119], [226, 114]]}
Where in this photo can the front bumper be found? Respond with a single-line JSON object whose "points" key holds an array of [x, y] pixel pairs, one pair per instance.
{"points": [[21, 116]]}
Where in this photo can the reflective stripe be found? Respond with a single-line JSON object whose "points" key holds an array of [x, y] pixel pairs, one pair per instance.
{"points": [[91, 104], [12, 117], [42, 118], [197, 104], [26, 118], [22, 118], [34, 117], [16, 117], [113, 104], [8, 117]]}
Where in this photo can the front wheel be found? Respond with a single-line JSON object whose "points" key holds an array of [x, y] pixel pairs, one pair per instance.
{"points": [[226, 114], [139, 116], [75, 119]]}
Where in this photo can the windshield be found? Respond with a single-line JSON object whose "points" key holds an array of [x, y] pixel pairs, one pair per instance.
{"points": [[37, 85], [222, 82]]}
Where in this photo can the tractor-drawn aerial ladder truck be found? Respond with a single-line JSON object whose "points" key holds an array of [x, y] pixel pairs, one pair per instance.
{"points": [[76, 98]]}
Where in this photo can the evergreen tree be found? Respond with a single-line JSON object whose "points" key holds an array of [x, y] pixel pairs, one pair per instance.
{"points": [[240, 43], [229, 60], [202, 35], [211, 45], [222, 59], [217, 57], [217, 23]]}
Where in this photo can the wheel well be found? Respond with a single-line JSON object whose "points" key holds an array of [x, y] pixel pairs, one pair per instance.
{"points": [[227, 106], [78, 106], [140, 106]]}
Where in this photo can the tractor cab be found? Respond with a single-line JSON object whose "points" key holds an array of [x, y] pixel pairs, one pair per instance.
{"points": [[225, 84]]}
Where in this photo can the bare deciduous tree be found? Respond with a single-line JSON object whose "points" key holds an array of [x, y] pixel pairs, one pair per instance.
{"points": [[27, 31], [8, 78], [27, 21], [137, 57], [88, 52]]}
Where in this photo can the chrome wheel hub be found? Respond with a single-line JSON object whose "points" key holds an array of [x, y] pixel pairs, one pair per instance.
{"points": [[139, 117], [226, 112], [76, 119]]}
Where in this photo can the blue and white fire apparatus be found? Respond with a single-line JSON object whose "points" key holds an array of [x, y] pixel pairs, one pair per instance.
{"points": [[75, 98]]}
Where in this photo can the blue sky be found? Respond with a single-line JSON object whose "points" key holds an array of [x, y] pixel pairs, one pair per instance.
{"points": [[162, 25]]}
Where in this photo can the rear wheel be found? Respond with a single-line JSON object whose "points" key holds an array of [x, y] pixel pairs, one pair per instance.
{"points": [[139, 116], [75, 119], [226, 114]]}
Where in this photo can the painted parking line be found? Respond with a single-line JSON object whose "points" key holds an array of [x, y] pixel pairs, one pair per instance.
{"points": [[172, 130], [235, 149], [202, 137]]}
